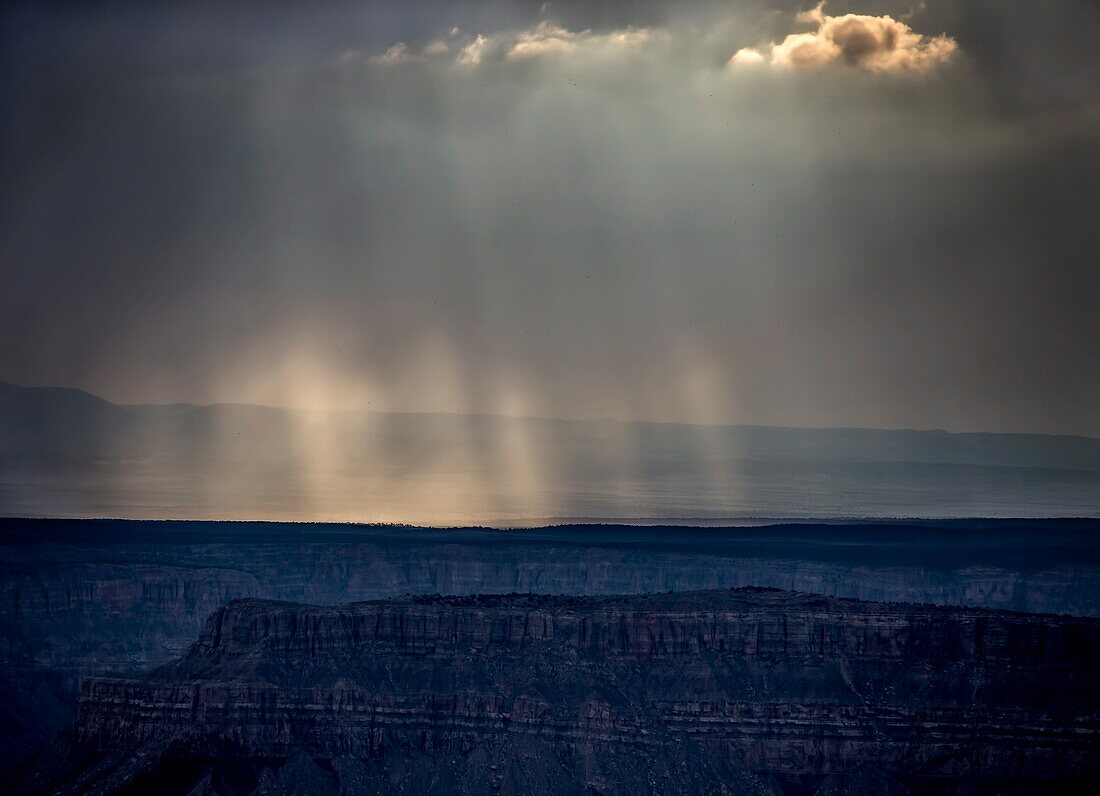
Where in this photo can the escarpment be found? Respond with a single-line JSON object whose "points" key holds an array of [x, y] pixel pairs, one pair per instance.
{"points": [[721, 691], [96, 597]]}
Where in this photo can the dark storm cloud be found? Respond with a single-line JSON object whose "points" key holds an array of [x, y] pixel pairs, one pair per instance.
{"points": [[583, 211]]}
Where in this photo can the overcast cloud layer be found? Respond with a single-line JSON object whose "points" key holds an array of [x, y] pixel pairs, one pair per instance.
{"points": [[870, 213]]}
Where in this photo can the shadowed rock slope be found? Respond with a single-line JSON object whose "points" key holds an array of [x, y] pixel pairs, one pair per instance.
{"points": [[81, 598], [742, 691]]}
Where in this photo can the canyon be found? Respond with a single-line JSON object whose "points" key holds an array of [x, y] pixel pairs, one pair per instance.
{"points": [[724, 691], [86, 598]]}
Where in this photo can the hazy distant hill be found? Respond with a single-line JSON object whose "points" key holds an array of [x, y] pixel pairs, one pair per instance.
{"points": [[87, 455]]}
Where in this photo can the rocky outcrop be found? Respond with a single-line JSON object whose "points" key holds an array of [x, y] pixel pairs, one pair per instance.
{"points": [[721, 691], [85, 598]]}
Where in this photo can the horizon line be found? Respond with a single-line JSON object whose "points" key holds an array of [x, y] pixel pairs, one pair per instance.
{"points": [[544, 418]]}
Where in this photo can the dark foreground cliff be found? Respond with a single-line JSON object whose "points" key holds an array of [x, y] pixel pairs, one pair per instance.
{"points": [[744, 691], [83, 598]]}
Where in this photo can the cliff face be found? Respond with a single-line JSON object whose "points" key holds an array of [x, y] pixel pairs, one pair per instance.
{"points": [[735, 691], [126, 597]]}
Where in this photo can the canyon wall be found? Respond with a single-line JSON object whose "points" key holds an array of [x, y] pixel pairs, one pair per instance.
{"points": [[720, 691], [85, 598]]}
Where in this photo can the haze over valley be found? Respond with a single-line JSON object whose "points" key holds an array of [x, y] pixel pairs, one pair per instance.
{"points": [[68, 453]]}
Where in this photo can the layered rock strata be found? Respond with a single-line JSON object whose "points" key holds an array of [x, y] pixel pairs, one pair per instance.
{"points": [[80, 598], [735, 691]]}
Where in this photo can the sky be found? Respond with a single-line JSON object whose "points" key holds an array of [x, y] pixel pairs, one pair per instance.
{"points": [[866, 213]]}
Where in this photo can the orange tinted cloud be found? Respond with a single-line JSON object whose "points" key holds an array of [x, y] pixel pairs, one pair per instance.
{"points": [[877, 44]]}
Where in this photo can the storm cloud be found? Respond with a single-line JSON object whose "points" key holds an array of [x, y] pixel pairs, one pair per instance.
{"points": [[577, 210]]}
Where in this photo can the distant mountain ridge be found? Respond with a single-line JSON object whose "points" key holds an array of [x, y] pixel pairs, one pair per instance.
{"points": [[60, 420], [64, 451]]}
